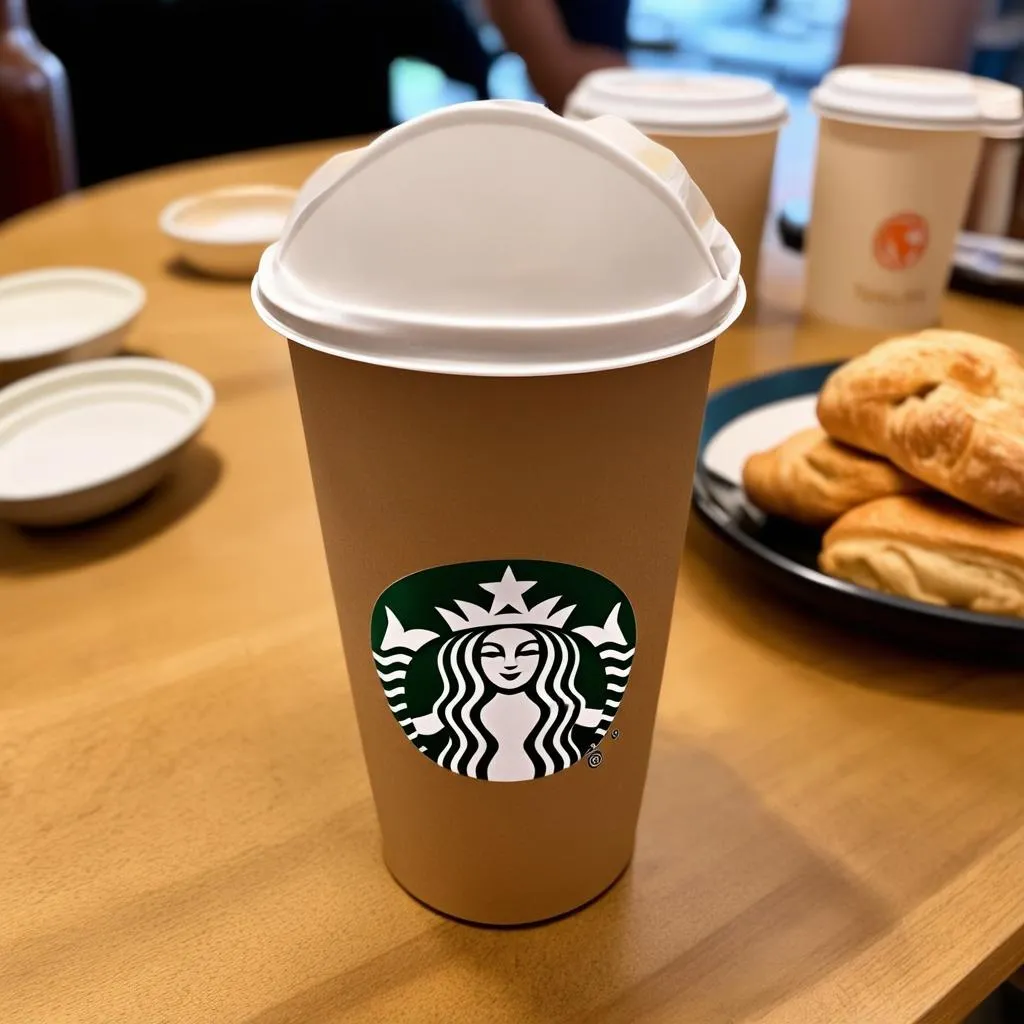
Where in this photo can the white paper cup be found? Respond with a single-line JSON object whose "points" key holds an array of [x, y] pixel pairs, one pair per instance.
{"points": [[897, 152], [724, 129]]}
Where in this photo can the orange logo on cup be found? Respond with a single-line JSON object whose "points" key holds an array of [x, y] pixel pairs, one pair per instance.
{"points": [[901, 241]]}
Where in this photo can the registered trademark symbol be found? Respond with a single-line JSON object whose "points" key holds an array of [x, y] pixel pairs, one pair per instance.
{"points": [[595, 758], [615, 734]]}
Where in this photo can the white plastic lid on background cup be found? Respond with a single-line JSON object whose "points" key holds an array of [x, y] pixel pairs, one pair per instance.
{"points": [[1002, 109], [680, 102], [926, 99], [498, 239]]}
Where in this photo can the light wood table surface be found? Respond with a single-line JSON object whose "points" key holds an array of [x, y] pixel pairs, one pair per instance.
{"points": [[833, 830]]}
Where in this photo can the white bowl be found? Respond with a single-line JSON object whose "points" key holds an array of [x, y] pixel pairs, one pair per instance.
{"points": [[224, 233], [80, 441], [62, 315]]}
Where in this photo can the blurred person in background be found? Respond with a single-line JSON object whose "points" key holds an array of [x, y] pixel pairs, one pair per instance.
{"points": [[921, 33], [560, 41]]}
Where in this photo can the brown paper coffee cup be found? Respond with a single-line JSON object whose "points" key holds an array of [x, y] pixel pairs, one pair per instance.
{"points": [[723, 128], [501, 329], [418, 471], [735, 174], [887, 207]]}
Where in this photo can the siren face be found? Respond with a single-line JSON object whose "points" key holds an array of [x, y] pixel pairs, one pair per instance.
{"points": [[509, 658], [504, 671]]}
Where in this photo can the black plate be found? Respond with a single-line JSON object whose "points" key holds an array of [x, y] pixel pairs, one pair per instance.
{"points": [[787, 554]]}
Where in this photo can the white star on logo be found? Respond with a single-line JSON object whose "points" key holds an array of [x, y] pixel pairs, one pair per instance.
{"points": [[509, 592]]}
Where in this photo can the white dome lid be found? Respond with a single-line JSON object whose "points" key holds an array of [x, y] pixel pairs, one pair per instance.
{"points": [[683, 102], [900, 97], [1002, 108], [499, 239]]}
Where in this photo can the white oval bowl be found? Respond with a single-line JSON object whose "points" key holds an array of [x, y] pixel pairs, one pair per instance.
{"points": [[79, 441], [62, 315], [223, 233]]}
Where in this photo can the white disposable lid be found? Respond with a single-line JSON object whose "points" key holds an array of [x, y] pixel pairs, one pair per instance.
{"points": [[501, 240], [1002, 109], [899, 97], [682, 103]]}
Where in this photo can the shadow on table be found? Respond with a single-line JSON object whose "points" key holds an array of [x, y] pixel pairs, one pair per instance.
{"points": [[28, 551], [177, 267], [717, 574], [725, 912]]}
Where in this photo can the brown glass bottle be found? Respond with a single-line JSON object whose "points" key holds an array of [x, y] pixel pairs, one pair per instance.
{"points": [[37, 156]]}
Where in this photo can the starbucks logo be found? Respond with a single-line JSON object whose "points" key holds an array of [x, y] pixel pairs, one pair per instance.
{"points": [[504, 671]]}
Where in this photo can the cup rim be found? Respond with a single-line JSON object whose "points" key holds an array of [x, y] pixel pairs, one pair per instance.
{"points": [[754, 108], [340, 341], [895, 96]]}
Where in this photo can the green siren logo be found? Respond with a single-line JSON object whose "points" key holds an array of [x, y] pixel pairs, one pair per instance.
{"points": [[504, 671]]}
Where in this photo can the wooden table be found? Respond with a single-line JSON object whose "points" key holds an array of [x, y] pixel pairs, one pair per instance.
{"points": [[833, 830]]}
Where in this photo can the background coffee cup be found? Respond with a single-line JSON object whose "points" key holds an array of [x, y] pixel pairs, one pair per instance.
{"points": [[724, 129], [501, 329], [995, 183], [897, 152]]}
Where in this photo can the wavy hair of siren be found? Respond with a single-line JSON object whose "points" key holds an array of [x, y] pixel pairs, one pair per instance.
{"points": [[466, 690]]}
